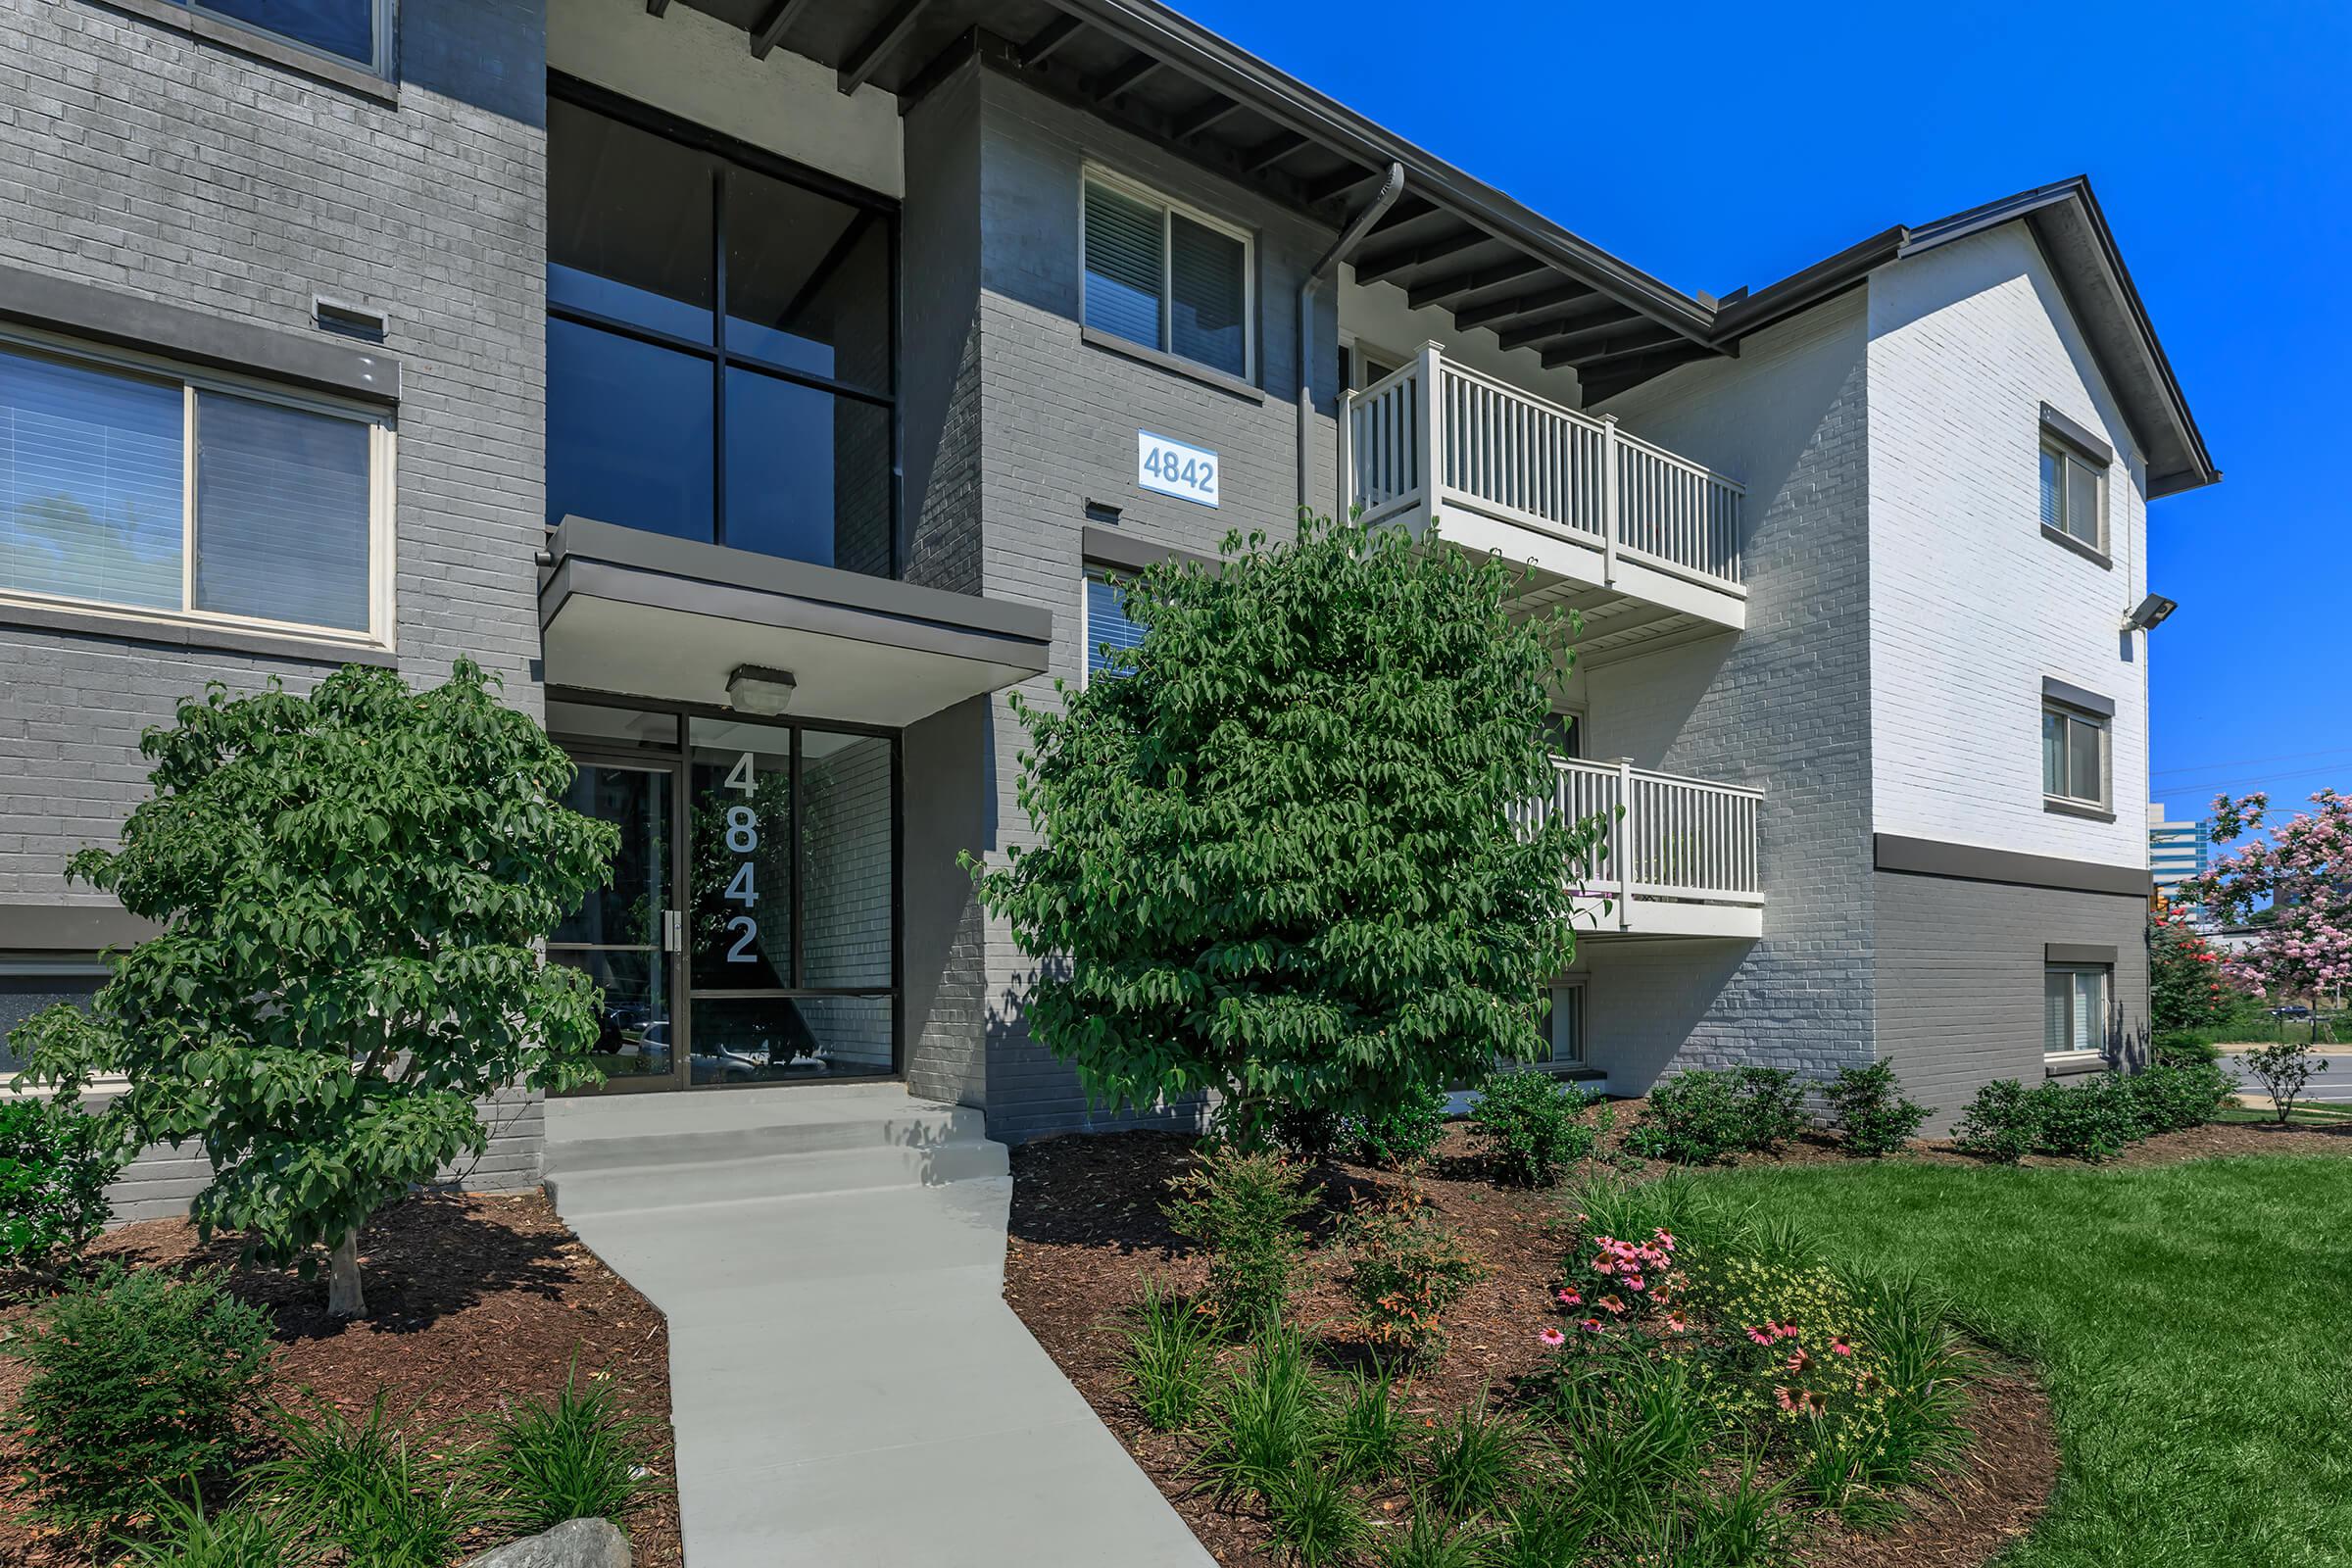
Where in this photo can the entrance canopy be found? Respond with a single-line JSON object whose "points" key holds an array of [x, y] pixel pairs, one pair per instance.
{"points": [[624, 611]]}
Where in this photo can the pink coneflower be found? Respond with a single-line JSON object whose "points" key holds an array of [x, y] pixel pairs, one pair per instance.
{"points": [[1610, 1303], [1787, 1402], [1590, 1325], [1800, 1361], [1759, 1336], [1554, 1337], [1840, 1348], [1571, 1299], [1674, 1323], [1633, 1282]]}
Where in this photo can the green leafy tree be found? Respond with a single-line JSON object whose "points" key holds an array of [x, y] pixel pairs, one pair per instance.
{"points": [[1286, 847], [2185, 988], [351, 884]]}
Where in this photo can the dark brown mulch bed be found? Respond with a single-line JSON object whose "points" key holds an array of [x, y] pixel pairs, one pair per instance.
{"points": [[476, 1301], [1086, 1226]]}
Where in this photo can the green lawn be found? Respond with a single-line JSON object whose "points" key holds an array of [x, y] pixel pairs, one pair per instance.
{"points": [[2194, 1324]]}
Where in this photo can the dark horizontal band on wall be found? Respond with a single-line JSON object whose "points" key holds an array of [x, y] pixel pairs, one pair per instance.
{"points": [[95, 315], [1967, 863], [2077, 953], [195, 636], [2058, 691], [75, 930], [1127, 551], [2075, 433]]}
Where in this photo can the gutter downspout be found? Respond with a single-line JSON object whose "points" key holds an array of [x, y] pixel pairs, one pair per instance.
{"points": [[1353, 237]]}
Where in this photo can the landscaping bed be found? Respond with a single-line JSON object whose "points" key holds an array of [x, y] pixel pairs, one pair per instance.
{"points": [[478, 1303], [1088, 1230]]}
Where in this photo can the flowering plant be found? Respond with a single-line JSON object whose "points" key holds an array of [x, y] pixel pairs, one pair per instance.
{"points": [[1406, 1267], [2299, 880]]}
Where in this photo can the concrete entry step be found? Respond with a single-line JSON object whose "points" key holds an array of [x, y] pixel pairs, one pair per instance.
{"points": [[613, 1132], [847, 1387]]}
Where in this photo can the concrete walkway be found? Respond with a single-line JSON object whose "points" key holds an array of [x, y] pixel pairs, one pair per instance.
{"points": [[847, 1387]]}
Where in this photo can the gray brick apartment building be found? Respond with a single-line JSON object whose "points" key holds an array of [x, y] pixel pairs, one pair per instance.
{"points": [[764, 389]]}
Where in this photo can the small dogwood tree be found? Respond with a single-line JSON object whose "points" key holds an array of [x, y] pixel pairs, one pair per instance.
{"points": [[1285, 848], [350, 884]]}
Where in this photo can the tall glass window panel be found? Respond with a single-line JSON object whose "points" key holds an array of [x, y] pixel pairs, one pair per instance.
{"points": [[1109, 627], [1208, 290], [283, 514], [629, 223], [626, 910], [629, 433], [2057, 1012], [808, 473], [348, 28], [846, 870], [36, 982], [2053, 490], [2085, 778], [91, 500], [2053, 753], [808, 281], [2082, 502], [850, 1034], [1125, 265], [739, 893], [1568, 1026]]}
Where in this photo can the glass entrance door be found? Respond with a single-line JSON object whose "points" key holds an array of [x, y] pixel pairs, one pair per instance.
{"points": [[624, 934]]}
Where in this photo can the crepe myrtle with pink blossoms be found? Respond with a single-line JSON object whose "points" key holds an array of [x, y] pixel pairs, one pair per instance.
{"points": [[2301, 873]]}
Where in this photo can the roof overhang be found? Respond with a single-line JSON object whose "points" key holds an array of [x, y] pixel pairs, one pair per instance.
{"points": [[1451, 240], [644, 614], [2073, 234]]}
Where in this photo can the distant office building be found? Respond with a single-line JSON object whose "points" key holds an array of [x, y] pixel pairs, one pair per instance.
{"points": [[2176, 851]]}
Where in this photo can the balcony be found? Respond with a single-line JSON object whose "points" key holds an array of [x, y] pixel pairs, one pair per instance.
{"points": [[1644, 544], [1681, 859]]}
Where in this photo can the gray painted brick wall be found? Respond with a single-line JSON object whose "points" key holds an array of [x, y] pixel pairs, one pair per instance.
{"points": [[146, 161]]}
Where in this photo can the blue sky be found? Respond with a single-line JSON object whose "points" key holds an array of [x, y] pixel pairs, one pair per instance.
{"points": [[1715, 145]]}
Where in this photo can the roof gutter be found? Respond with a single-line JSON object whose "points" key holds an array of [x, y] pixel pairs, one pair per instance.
{"points": [[1354, 235]]}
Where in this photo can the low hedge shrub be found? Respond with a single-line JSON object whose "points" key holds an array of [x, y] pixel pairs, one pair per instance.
{"points": [[1697, 1118], [1241, 1207], [1533, 1127], [140, 1379], [2093, 1120], [56, 1163], [1868, 1113]]}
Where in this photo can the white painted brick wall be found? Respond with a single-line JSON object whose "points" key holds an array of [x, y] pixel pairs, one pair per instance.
{"points": [[1971, 607]]}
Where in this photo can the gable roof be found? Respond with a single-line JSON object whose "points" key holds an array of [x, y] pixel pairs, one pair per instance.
{"points": [[2066, 219]]}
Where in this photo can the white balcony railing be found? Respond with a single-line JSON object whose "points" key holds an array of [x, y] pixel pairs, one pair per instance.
{"points": [[1437, 433], [1677, 841]]}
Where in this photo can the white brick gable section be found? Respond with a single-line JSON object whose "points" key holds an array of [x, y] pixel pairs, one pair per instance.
{"points": [[1971, 608]]}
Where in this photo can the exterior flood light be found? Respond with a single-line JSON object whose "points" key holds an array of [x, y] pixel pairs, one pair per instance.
{"points": [[758, 690], [2150, 614]]}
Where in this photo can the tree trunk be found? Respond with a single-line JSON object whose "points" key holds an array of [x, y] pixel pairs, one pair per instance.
{"points": [[344, 1297]]}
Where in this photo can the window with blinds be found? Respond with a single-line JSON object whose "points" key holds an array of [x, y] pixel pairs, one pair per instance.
{"points": [[131, 487], [1167, 278], [2073, 495], [2074, 754], [2073, 1009], [1108, 629]]}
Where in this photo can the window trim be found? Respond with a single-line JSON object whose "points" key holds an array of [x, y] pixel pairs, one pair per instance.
{"points": [[382, 15], [381, 632], [2103, 804], [2074, 1051], [378, 81], [1091, 172]]}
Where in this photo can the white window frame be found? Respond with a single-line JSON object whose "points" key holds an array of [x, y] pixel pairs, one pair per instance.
{"points": [[1169, 209], [1568, 990], [2075, 1049], [2069, 459], [2103, 800], [381, 532], [1358, 378], [1582, 726], [379, 64]]}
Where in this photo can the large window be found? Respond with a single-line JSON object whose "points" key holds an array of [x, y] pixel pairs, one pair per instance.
{"points": [[1568, 1024], [1168, 278], [357, 30], [2073, 495], [2073, 1009], [719, 348], [129, 484], [2074, 753]]}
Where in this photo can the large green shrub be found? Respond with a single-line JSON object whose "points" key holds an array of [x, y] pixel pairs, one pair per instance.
{"points": [[2169, 1099], [1282, 848], [1533, 1127], [2002, 1123], [1867, 1111], [139, 1379], [2092, 1120], [1243, 1206], [55, 1165], [1402, 1135], [1697, 1117], [351, 883]]}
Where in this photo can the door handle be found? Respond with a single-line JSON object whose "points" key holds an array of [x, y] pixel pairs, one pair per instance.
{"points": [[673, 930]]}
